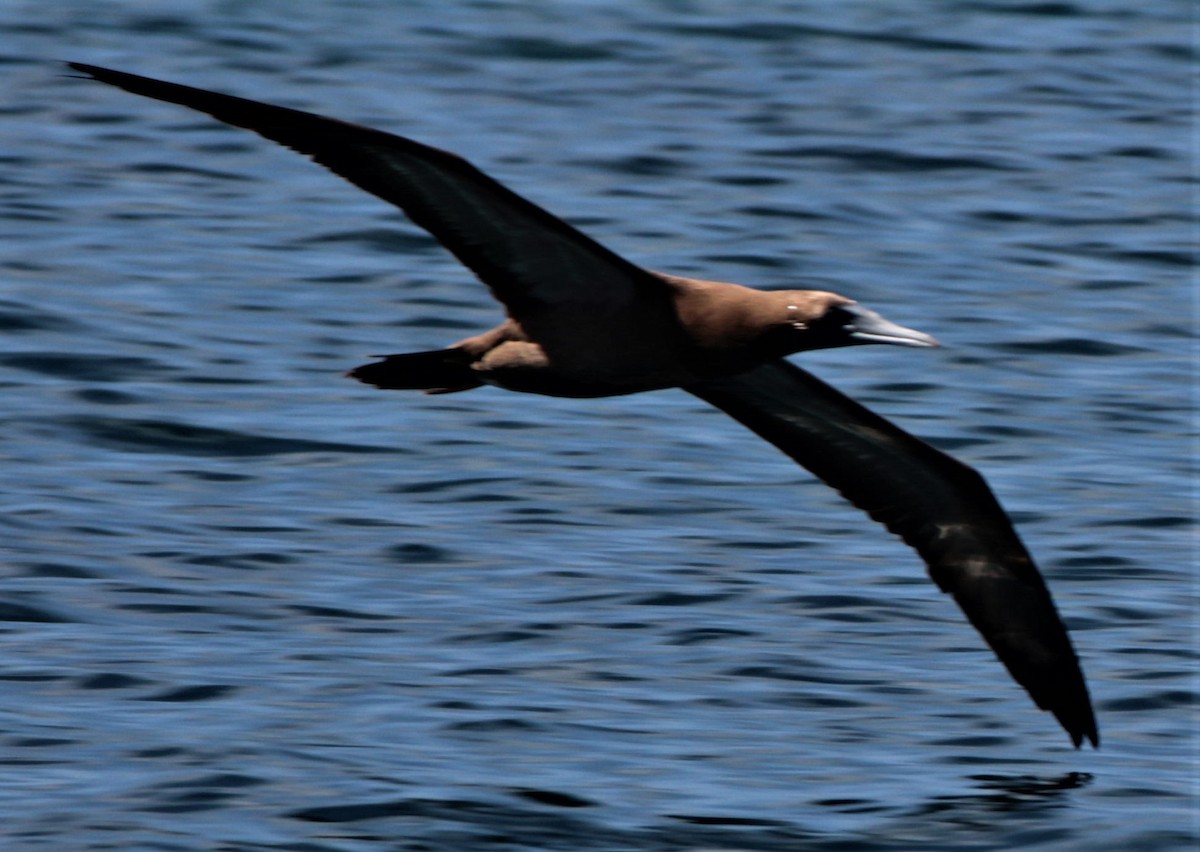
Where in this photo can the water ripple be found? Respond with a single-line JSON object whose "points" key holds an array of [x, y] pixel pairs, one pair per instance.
{"points": [[163, 436], [265, 607]]}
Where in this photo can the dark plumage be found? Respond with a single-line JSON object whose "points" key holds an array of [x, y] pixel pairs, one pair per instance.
{"points": [[584, 322]]}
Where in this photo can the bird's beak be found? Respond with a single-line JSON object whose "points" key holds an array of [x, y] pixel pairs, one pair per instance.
{"points": [[866, 326]]}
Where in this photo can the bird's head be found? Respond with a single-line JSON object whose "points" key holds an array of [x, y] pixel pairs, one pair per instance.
{"points": [[815, 319]]}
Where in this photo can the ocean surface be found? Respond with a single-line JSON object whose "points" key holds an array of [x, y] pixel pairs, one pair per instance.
{"points": [[248, 604]]}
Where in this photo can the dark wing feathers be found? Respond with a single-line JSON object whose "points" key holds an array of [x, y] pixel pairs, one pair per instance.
{"points": [[564, 287], [535, 264], [939, 506]]}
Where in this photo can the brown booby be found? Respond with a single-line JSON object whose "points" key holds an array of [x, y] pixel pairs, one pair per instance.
{"points": [[585, 322]]}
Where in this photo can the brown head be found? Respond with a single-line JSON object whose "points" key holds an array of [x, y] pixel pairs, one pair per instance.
{"points": [[815, 319], [735, 327]]}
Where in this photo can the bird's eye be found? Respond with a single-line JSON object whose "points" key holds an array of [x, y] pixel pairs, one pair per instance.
{"points": [[841, 317], [835, 317]]}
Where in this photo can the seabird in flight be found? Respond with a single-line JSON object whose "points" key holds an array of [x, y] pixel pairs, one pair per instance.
{"points": [[585, 322]]}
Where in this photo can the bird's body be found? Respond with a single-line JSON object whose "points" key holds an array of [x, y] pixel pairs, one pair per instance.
{"points": [[703, 330], [584, 322]]}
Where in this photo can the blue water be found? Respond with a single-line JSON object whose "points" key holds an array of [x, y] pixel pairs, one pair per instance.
{"points": [[248, 604]]}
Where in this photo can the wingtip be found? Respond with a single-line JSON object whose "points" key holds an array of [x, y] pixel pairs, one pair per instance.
{"points": [[83, 69], [101, 74], [1080, 727]]}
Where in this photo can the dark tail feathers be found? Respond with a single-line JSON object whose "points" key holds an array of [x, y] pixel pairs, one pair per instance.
{"points": [[437, 371]]}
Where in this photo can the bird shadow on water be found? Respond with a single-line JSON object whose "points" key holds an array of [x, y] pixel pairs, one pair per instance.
{"points": [[555, 820], [1023, 795]]}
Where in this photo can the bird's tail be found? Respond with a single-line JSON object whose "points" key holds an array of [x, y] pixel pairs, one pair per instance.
{"points": [[437, 371]]}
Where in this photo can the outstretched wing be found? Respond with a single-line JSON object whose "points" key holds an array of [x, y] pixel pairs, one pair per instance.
{"points": [[940, 506], [563, 287]]}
